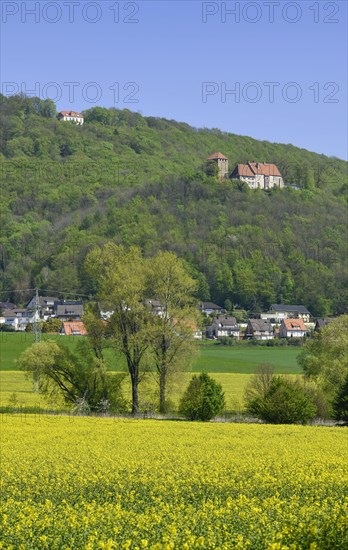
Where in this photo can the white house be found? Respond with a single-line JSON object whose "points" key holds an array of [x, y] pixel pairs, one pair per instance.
{"points": [[258, 175], [278, 312], [19, 318], [46, 305], [209, 307], [71, 116], [293, 328]]}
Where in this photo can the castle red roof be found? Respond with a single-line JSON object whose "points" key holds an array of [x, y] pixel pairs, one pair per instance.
{"points": [[215, 156], [256, 168], [264, 169]]}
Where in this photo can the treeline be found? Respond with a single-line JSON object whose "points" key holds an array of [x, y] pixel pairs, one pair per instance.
{"points": [[140, 181]]}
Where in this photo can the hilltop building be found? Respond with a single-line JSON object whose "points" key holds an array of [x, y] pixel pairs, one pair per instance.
{"points": [[258, 175], [71, 116], [222, 164]]}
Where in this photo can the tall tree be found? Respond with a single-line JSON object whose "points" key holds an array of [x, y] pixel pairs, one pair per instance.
{"points": [[172, 335], [122, 285]]}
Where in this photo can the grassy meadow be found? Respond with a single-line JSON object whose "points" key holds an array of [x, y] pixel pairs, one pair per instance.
{"points": [[231, 366]]}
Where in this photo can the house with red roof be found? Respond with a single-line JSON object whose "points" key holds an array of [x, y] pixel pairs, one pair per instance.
{"points": [[74, 328], [71, 116], [292, 328], [258, 175]]}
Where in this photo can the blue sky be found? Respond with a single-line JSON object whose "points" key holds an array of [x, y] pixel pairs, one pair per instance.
{"points": [[182, 59]]}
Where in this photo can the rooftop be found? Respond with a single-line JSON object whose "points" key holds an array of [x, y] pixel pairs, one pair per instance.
{"points": [[294, 324], [215, 156], [290, 308]]}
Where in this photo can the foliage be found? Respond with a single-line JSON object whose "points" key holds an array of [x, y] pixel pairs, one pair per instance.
{"points": [[80, 378], [126, 283], [139, 181], [340, 403], [7, 328], [279, 400], [171, 341], [52, 325], [324, 357], [212, 169], [81, 483], [203, 398], [121, 279]]}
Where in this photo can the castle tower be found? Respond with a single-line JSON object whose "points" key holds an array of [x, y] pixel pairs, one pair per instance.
{"points": [[222, 163]]}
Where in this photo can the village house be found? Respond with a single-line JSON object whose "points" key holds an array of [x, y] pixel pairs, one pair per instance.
{"points": [[155, 306], [222, 164], [73, 328], [258, 175], [19, 318], [223, 325], [209, 307], [259, 329], [46, 305], [292, 328], [7, 305], [71, 116], [321, 323], [278, 312], [68, 310]]}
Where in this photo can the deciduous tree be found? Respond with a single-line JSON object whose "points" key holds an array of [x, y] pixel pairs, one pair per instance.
{"points": [[122, 285], [172, 336]]}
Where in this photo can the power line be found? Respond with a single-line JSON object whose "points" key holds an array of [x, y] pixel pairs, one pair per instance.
{"points": [[36, 327], [62, 292]]}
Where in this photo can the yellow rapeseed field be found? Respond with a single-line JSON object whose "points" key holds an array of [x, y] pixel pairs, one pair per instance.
{"points": [[87, 483]]}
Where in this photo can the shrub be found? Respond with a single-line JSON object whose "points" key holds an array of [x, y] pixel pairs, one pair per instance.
{"points": [[340, 403], [7, 328], [285, 402], [226, 340], [203, 398]]}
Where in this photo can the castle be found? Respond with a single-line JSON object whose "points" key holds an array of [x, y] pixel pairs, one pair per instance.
{"points": [[257, 175]]}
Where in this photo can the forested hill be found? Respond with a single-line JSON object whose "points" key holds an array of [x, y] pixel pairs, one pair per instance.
{"points": [[140, 180]]}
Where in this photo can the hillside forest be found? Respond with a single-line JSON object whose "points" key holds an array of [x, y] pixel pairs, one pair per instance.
{"points": [[137, 180]]}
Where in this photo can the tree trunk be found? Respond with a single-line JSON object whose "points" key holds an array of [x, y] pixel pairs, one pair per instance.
{"points": [[135, 393], [162, 397]]}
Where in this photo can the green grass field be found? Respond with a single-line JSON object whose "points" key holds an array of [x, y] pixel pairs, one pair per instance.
{"points": [[231, 366], [210, 358], [245, 359]]}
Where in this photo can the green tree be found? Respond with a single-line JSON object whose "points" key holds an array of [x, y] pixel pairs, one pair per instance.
{"points": [[52, 325], [285, 402], [340, 403], [172, 340], [121, 278], [97, 329], [80, 378], [324, 357], [212, 169], [203, 398]]}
